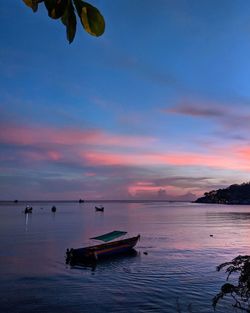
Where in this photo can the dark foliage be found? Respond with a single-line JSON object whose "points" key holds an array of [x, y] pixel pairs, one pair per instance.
{"points": [[90, 17], [234, 194], [240, 292]]}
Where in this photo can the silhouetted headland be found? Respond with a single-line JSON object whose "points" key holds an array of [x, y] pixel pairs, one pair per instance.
{"points": [[234, 194]]}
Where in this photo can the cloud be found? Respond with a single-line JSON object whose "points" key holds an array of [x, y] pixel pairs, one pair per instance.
{"points": [[27, 135], [182, 181], [216, 159], [90, 174], [243, 153], [160, 194], [197, 110], [228, 116], [109, 165], [98, 148]]}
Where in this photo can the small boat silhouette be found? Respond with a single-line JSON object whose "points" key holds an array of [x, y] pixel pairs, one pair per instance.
{"points": [[99, 208], [28, 209]]}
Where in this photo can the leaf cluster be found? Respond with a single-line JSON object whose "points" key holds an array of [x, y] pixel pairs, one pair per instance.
{"points": [[240, 292], [90, 17]]}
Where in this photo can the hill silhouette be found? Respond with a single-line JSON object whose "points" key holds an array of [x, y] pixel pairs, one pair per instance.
{"points": [[234, 194]]}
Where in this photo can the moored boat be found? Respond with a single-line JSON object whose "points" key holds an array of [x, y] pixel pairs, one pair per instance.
{"points": [[109, 248], [99, 208], [28, 209]]}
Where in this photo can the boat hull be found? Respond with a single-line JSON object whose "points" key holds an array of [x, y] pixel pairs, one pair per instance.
{"points": [[28, 210], [94, 253], [99, 209]]}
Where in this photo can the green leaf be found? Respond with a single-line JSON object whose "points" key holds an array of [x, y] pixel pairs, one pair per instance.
{"points": [[33, 4], [91, 18], [56, 8], [69, 20]]}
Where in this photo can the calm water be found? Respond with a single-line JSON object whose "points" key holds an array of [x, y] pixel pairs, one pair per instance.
{"points": [[178, 270]]}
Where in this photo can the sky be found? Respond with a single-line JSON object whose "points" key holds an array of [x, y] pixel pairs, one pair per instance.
{"points": [[157, 108]]}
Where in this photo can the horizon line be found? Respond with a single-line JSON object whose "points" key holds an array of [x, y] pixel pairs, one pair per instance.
{"points": [[95, 200]]}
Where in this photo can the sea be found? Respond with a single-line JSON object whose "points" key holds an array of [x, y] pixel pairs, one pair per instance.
{"points": [[172, 270]]}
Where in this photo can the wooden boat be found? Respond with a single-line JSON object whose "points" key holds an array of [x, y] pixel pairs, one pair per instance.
{"points": [[96, 252], [99, 208]]}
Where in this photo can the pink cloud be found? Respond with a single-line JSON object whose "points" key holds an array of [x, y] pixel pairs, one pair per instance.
{"points": [[101, 158], [27, 135], [54, 155], [243, 152], [90, 174], [150, 190], [217, 159], [144, 183], [41, 155], [229, 158], [137, 188]]}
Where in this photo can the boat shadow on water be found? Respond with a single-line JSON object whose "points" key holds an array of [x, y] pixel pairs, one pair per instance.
{"points": [[102, 262]]}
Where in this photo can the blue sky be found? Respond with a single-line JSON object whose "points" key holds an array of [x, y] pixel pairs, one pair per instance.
{"points": [[156, 108]]}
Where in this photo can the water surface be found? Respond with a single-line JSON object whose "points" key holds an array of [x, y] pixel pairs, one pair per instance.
{"points": [[174, 269]]}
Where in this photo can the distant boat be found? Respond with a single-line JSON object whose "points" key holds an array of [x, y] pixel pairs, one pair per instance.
{"points": [[99, 208], [81, 201], [15, 201], [28, 209], [53, 209], [109, 248]]}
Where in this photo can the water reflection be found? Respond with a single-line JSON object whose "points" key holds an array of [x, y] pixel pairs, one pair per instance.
{"points": [[229, 215], [180, 259], [108, 262], [53, 214], [27, 217]]}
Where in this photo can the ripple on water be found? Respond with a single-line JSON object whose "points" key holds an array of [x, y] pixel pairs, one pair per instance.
{"points": [[177, 272]]}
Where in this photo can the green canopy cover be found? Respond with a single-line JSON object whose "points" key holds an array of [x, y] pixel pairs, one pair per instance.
{"points": [[110, 236]]}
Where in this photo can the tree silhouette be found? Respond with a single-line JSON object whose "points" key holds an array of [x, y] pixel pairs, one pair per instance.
{"points": [[239, 291]]}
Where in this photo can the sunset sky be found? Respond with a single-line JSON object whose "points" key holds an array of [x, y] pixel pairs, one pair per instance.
{"points": [[156, 108]]}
